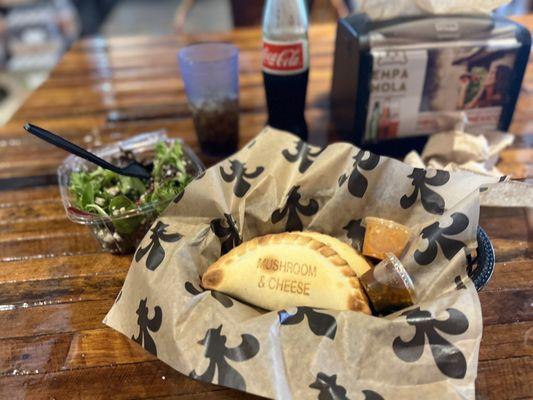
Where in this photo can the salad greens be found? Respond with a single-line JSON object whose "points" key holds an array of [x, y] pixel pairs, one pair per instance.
{"points": [[109, 194]]}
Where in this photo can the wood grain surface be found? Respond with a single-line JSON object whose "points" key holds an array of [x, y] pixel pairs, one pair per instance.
{"points": [[56, 284]]}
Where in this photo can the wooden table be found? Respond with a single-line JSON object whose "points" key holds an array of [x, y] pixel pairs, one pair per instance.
{"points": [[56, 284]]}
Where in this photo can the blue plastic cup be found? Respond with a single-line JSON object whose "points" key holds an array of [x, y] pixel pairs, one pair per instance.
{"points": [[210, 72]]}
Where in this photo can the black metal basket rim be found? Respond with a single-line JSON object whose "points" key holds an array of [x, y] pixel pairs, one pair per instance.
{"points": [[484, 262]]}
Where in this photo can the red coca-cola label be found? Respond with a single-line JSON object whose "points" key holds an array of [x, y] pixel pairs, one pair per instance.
{"points": [[284, 57]]}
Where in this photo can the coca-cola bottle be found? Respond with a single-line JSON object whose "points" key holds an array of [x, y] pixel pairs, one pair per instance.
{"points": [[286, 64]]}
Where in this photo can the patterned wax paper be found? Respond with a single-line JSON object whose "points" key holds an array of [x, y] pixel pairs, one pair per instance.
{"points": [[278, 183]]}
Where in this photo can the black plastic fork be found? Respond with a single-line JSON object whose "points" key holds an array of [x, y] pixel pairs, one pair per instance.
{"points": [[134, 169]]}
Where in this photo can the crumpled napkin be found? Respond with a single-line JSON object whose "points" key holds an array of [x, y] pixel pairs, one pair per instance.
{"points": [[457, 150], [385, 9]]}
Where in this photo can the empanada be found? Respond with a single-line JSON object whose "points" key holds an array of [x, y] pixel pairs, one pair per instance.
{"points": [[285, 270], [356, 261]]}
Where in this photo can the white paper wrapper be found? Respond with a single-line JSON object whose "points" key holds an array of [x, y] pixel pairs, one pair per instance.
{"points": [[385, 9], [427, 351], [461, 151]]}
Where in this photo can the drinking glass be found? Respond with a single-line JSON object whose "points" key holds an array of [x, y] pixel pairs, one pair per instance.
{"points": [[210, 72]]}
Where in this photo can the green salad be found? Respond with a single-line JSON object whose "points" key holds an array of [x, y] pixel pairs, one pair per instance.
{"points": [[109, 194]]}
